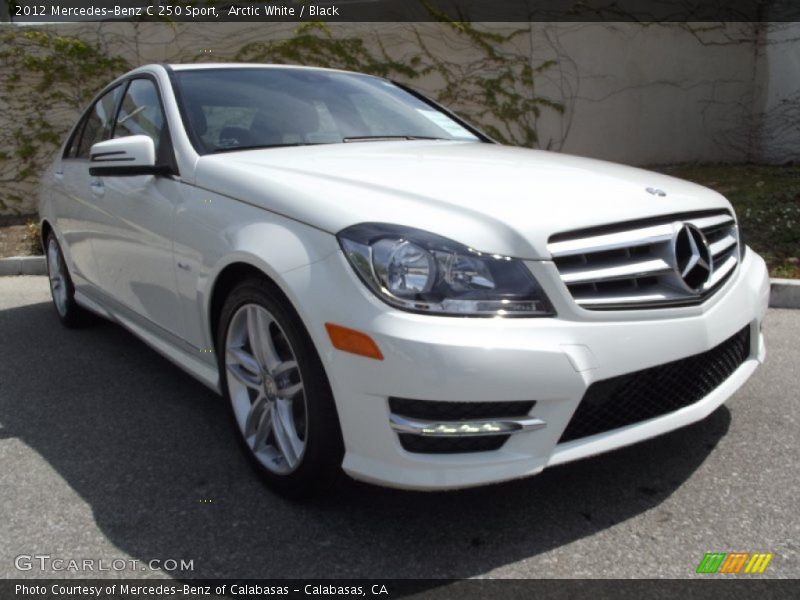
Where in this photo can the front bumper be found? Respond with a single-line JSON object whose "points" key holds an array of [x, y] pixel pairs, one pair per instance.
{"points": [[551, 361]]}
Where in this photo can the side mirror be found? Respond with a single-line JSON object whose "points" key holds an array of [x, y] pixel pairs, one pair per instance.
{"points": [[125, 156]]}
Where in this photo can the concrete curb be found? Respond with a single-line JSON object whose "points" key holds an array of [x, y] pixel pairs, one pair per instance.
{"points": [[784, 293], [23, 265]]}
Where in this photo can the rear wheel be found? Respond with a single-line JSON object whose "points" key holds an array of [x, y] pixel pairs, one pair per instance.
{"points": [[280, 399], [61, 288]]}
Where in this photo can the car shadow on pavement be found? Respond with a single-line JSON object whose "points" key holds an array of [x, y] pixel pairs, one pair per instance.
{"points": [[152, 452]]}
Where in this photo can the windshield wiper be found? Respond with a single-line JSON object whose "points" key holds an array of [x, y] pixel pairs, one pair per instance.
{"points": [[261, 146], [382, 138]]}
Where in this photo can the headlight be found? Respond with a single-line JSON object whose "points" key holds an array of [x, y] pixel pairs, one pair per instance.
{"points": [[421, 272]]}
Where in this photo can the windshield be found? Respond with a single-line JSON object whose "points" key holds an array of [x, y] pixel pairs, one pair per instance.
{"points": [[235, 109]]}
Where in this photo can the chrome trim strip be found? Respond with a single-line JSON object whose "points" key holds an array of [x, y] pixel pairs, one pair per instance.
{"points": [[712, 221], [722, 245], [506, 426], [662, 295], [612, 241], [624, 271]]}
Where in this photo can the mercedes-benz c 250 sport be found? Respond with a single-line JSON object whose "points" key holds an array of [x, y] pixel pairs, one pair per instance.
{"points": [[377, 287]]}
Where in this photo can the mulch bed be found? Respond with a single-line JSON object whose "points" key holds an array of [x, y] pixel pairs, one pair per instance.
{"points": [[15, 239]]}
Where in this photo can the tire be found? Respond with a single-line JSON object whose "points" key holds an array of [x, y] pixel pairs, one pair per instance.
{"points": [[280, 401], [61, 289]]}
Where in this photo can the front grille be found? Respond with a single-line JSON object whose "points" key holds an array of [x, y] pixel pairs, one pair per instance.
{"points": [[632, 265], [455, 412], [636, 397]]}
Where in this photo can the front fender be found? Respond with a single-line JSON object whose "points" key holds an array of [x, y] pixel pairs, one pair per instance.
{"points": [[214, 232]]}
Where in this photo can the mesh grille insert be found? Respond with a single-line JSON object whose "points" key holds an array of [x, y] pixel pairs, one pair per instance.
{"points": [[635, 397]]}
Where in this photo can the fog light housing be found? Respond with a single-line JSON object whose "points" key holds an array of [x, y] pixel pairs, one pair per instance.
{"points": [[464, 428]]}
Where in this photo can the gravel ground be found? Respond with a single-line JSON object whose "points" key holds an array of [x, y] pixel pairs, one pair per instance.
{"points": [[15, 237]]}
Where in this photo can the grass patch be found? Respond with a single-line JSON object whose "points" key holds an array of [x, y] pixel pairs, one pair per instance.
{"points": [[767, 202]]}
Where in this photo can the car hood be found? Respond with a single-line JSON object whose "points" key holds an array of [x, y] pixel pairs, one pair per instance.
{"points": [[494, 198]]}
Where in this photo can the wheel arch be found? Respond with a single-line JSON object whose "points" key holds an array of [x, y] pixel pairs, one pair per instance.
{"points": [[228, 277], [321, 462], [260, 244], [44, 230]]}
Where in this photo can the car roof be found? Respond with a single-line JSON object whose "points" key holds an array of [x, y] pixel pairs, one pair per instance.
{"points": [[237, 65]]}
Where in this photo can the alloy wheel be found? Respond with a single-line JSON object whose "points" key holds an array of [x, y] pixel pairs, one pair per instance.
{"points": [[266, 389]]}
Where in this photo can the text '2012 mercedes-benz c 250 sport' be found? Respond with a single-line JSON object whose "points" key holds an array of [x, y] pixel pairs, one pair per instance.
{"points": [[377, 287]]}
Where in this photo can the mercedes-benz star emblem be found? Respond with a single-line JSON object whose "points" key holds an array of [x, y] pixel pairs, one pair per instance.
{"points": [[693, 260]]}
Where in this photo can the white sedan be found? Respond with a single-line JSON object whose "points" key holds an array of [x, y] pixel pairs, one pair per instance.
{"points": [[376, 287]]}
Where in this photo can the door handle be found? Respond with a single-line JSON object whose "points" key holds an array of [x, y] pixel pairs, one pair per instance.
{"points": [[97, 186]]}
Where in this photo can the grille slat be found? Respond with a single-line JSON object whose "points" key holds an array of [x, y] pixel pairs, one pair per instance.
{"points": [[649, 296], [722, 245], [611, 270], [711, 222], [722, 271], [635, 397], [610, 241], [632, 265]]}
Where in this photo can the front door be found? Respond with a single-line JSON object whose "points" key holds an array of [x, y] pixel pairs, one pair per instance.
{"points": [[74, 200], [134, 247]]}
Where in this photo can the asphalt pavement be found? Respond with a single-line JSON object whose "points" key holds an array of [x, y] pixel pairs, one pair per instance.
{"points": [[108, 451]]}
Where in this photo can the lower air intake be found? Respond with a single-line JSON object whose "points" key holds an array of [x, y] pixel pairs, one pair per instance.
{"points": [[636, 397]]}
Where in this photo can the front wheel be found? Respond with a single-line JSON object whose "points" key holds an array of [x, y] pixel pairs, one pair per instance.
{"points": [[280, 399]]}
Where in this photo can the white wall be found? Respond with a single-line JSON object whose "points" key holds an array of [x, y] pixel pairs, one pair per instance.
{"points": [[776, 113]]}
